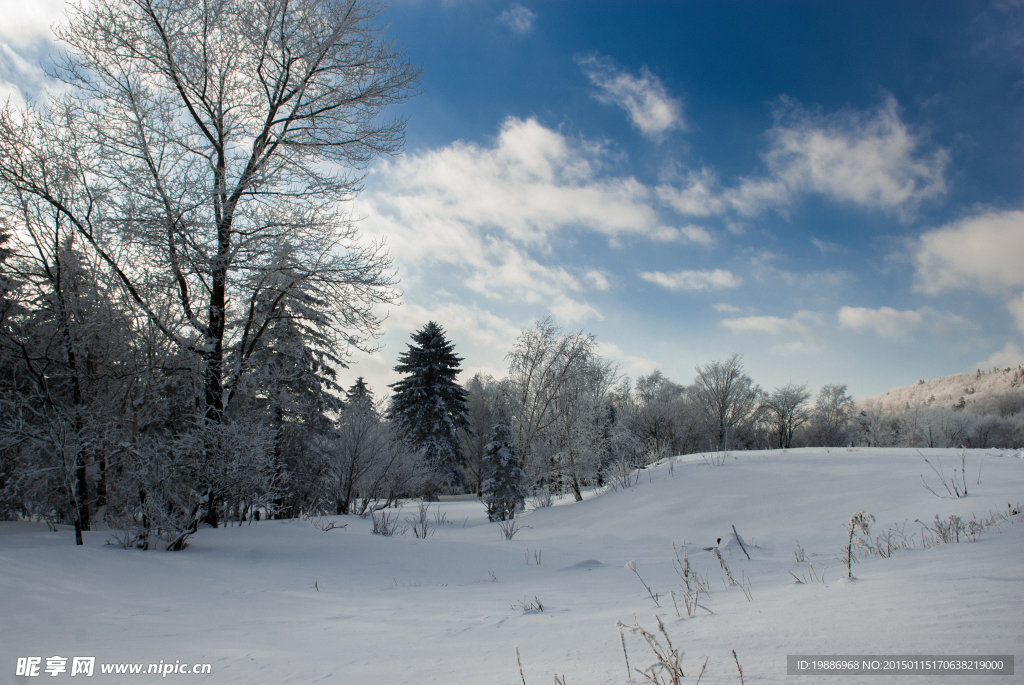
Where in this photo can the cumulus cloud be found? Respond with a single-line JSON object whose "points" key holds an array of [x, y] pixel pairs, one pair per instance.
{"points": [[1010, 355], [892, 323], [867, 158], [28, 23], [494, 212], [799, 329], [696, 281], [984, 252], [871, 159], [629, 364], [1016, 307], [651, 109], [518, 19]]}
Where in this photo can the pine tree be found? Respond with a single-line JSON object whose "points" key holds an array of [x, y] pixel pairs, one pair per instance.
{"points": [[503, 491], [429, 406], [359, 392]]}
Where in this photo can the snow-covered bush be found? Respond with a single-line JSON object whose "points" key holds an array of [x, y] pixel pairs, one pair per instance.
{"points": [[857, 530]]}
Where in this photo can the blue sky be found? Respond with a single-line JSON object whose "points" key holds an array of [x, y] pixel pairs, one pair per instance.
{"points": [[833, 190]]}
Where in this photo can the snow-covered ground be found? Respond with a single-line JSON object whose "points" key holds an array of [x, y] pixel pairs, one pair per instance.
{"points": [[284, 602]]}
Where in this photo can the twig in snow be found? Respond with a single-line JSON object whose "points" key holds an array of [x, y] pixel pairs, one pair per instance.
{"points": [[738, 667], [622, 639], [631, 565], [702, 671], [740, 540]]}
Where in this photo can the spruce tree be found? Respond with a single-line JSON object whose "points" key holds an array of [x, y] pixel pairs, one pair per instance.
{"points": [[429, 405], [503, 490], [359, 392]]}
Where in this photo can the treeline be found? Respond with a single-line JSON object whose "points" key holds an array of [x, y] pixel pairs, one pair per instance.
{"points": [[996, 421], [569, 420]]}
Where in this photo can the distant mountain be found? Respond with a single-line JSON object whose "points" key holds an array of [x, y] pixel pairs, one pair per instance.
{"points": [[999, 391]]}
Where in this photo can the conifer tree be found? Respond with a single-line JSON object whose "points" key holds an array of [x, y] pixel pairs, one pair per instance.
{"points": [[359, 392], [503, 490], [429, 405]]}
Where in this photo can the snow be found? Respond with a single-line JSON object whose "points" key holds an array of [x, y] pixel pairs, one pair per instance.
{"points": [[284, 602]]}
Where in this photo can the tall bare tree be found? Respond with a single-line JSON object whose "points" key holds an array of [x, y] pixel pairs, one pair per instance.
{"points": [[785, 411], [540, 367], [728, 397]]}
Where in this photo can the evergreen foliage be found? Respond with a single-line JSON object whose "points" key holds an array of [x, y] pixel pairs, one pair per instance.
{"points": [[429, 406], [359, 392], [503, 491]]}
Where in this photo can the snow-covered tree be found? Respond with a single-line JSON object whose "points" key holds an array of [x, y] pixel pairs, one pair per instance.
{"points": [[831, 415], [363, 443], [729, 399], [663, 416], [559, 394], [483, 394], [540, 366], [429, 406], [503, 490], [785, 411]]}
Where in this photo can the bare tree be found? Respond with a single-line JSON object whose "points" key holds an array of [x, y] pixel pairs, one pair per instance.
{"points": [[833, 409], [580, 437], [785, 411], [558, 392], [362, 453], [541, 365], [728, 397]]}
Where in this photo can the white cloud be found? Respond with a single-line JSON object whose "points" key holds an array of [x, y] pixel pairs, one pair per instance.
{"points": [[892, 323], [630, 365], [697, 234], [984, 252], [716, 279], [27, 23], [1016, 307], [1010, 355], [869, 158], [801, 325], [493, 214], [518, 19], [826, 247], [727, 308], [773, 325], [651, 109], [699, 195]]}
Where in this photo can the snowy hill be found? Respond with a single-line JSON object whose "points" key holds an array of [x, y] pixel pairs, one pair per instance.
{"points": [[284, 602], [980, 386]]}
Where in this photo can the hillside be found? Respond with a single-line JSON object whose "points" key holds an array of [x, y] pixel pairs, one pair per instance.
{"points": [[984, 388], [285, 602]]}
